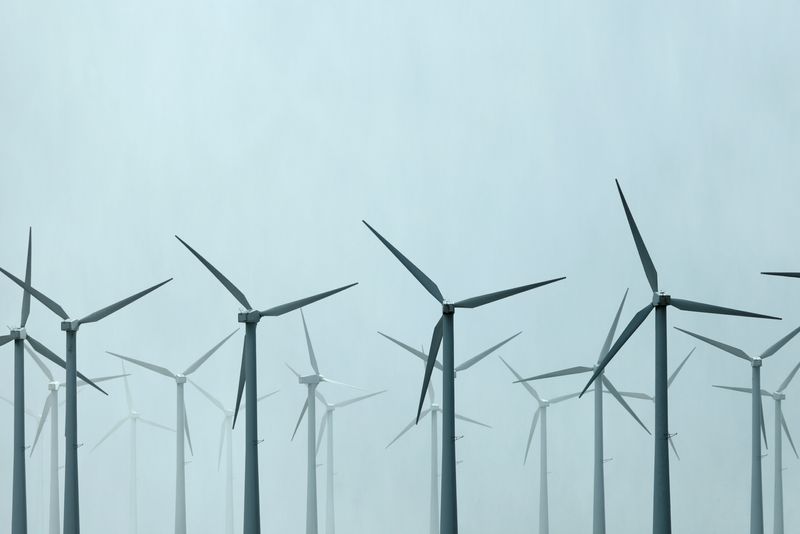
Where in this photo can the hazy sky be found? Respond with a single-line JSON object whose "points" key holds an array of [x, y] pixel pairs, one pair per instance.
{"points": [[482, 138]]}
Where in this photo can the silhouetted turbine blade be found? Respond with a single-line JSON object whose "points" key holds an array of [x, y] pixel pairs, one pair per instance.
{"points": [[644, 256], [530, 434], [300, 419], [468, 420], [232, 289], [788, 378], [5, 339], [421, 277], [291, 306], [311, 356], [635, 323], [563, 372], [481, 300], [613, 329], [357, 399], [678, 369], [788, 435], [690, 305], [421, 355], [780, 343], [48, 405], [787, 274], [739, 353], [525, 384], [152, 367], [108, 310], [240, 390], [39, 363], [200, 361], [50, 355], [436, 341], [621, 400], [408, 427], [475, 359], [26, 296], [47, 302]]}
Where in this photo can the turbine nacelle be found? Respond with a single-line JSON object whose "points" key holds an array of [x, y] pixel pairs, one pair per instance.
{"points": [[54, 386], [779, 396], [249, 316], [18, 333], [661, 299], [311, 379], [180, 379], [448, 308], [756, 362], [70, 325], [135, 414]]}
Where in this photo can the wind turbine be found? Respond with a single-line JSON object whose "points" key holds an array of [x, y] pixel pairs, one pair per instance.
{"points": [[311, 382], [327, 424], [70, 327], [756, 499], [662, 522], [50, 410], [599, 502], [444, 331], [251, 317], [226, 436], [19, 519], [434, 410], [541, 413], [133, 418], [181, 425]]}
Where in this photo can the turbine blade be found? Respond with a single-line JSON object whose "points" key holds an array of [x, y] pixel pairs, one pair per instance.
{"points": [[763, 427], [291, 306], [232, 289], [292, 370], [328, 380], [192, 368], [240, 391], [788, 435], [475, 359], [473, 421], [678, 369], [300, 419], [613, 329], [562, 372], [48, 405], [108, 310], [421, 277], [787, 274], [764, 393], [777, 346], [481, 300], [688, 305], [26, 296], [320, 396], [635, 323], [108, 434], [82, 383], [436, 340], [635, 395], [620, 399], [521, 381], [212, 399], [322, 426], [38, 295], [311, 356], [128, 397], [40, 363], [530, 434], [419, 354], [674, 450], [409, 426], [155, 425], [644, 256], [186, 428], [788, 378], [5, 339], [155, 368], [221, 441], [271, 393], [739, 353], [50, 355], [357, 399], [563, 398]]}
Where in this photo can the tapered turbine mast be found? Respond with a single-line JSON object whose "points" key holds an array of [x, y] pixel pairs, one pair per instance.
{"points": [[599, 502], [134, 418], [327, 424], [19, 514], [311, 382], [251, 317], [181, 425], [434, 409], [50, 411], [226, 439], [756, 498], [662, 522], [443, 331]]}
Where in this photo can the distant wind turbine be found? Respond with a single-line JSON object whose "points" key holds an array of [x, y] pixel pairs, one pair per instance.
{"points": [[70, 327], [662, 517], [251, 317], [181, 425], [444, 331], [599, 506], [756, 499], [133, 417], [226, 438]]}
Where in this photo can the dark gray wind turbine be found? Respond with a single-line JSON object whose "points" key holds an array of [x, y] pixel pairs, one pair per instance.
{"points": [[756, 498], [444, 331], [251, 317], [70, 327], [662, 523]]}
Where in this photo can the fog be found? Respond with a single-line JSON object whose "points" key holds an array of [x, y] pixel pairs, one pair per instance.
{"points": [[483, 140]]}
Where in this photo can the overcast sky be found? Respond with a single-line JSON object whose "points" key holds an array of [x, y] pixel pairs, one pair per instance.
{"points": [[482, 139]]}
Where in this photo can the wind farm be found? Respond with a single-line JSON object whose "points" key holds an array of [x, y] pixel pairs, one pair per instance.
{"points": [[399, 268]]}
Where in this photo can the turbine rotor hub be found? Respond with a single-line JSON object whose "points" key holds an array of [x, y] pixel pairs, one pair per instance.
{"points": [[448, 308], [661, 299], [53, 386], [180, 379], [757, 362], [18, 333], [310, 379], [249, 316], [70, 326], [779, 396]]}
